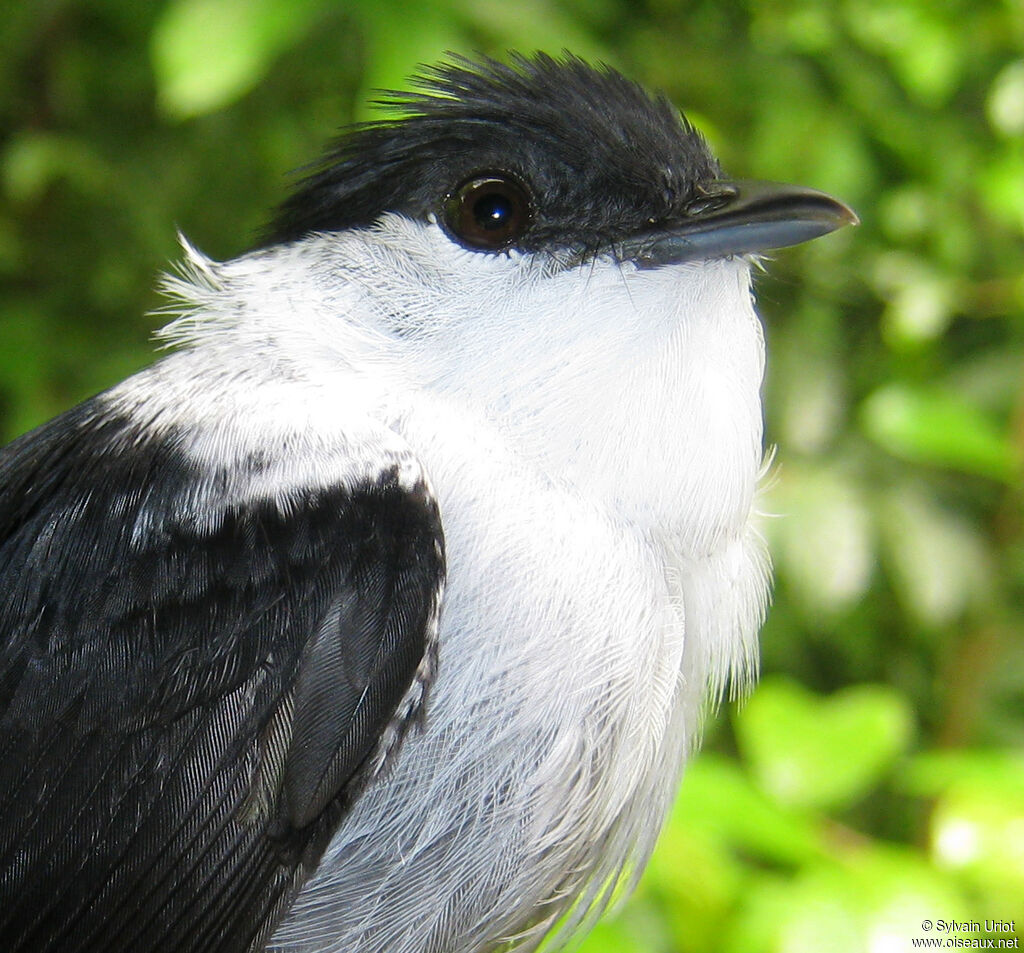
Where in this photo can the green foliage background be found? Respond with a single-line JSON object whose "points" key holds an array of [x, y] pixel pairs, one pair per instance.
{"points": [[875, 780]]}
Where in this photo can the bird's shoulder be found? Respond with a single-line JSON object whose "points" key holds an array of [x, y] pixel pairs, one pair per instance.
{"points": [[204, 639], [108, 519]]}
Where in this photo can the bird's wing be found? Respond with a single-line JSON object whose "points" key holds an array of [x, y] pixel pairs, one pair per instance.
{"points": [[198, 669]]}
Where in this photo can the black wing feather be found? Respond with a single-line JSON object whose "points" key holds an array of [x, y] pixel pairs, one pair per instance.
{"points": [[188, 701]]}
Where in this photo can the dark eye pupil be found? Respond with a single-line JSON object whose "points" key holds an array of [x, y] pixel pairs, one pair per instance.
{"points": [[492, 211], [488, 212]]}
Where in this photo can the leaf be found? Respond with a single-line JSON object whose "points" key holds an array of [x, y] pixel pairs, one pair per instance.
{"points": [[1001, 184], [869, 898], [822, 538], [936, 427], [720, 825], [939, 560], [1005, 103], [933, 773], [978, 831], [208, 53], [922, 48], [534, 25], [32, 161], [813, 752], [401, 38], [716, 797]]}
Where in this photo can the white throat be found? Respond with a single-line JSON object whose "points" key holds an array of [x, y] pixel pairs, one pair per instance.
{"points": [[638, 386]]}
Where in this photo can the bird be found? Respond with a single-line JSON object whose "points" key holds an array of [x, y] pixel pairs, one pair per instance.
{"points": [[382, 611]]}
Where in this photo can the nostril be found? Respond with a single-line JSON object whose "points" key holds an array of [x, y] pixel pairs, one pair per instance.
{"points": [[711, 201]]}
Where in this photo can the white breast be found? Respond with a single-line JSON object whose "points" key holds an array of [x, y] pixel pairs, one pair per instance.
{"points": [[594, 438], [553, 735], [574, 661]]}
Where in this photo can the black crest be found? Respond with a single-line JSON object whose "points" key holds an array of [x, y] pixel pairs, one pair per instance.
{"points": [[600, 158]]}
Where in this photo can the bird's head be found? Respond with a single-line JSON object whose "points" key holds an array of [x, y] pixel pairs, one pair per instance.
{"points": [[556, 247], [514, 210], [550, 157]]}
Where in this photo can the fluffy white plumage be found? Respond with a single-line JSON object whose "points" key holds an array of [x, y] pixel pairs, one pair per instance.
{"points": [[593, 436]]}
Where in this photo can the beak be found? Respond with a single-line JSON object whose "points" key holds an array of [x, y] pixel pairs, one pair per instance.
{"points": [[739, 218]]}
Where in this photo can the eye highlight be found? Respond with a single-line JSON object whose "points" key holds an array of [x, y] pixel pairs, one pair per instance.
{"points": [[488, 212]]}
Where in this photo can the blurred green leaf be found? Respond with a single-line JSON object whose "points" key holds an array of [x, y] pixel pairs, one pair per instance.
{"points": [[208, 53], [716, 797], [921, 43], [977, 831], [936, 427], [617, 935], [695, 877], [778, 915], [991, 380], [1001, 183], [906, 213], [1005, 104], [938, 558], [812, 752], [866, 900], [921, 299], [535, 25], [808, 391], [933, 773], [24, 332], [401, 38], [31, 162], [821, 533]]}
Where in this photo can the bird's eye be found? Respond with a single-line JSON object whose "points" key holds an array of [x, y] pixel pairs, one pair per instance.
{"points": [[488, 212]]}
